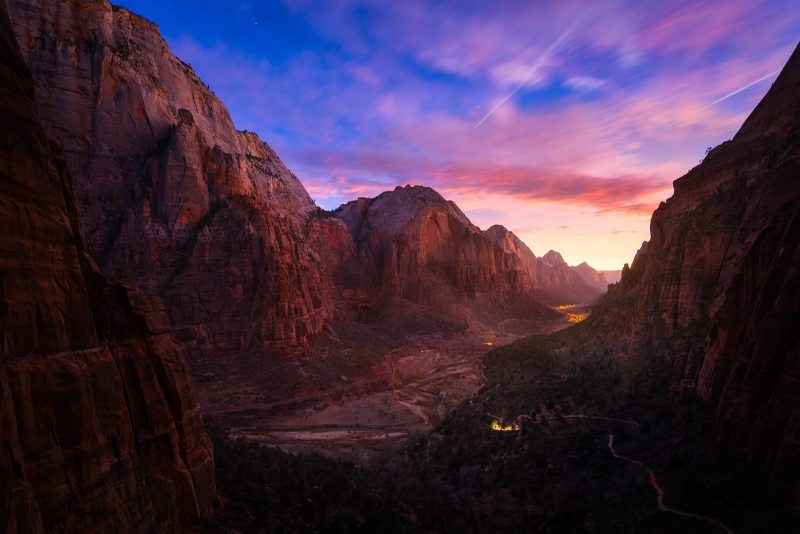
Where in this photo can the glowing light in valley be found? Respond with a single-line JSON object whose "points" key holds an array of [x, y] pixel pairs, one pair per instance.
{"points": [[573, 317], [499, 426]]}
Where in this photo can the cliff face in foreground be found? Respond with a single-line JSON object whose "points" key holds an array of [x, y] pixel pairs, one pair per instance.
{"points": [[100, 428], [173, 198], [720, 281]]}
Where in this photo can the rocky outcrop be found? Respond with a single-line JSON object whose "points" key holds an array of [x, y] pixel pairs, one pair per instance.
{"points": [[173, 198], [100, 428], [553, 279], [719, 281], [411, 243]]}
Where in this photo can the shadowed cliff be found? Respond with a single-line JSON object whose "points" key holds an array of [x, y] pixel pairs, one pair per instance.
{"points": [[100, 428]]}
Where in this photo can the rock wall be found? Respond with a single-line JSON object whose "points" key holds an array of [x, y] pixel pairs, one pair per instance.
{"points": [[720, 281], [411, 243], [173, 198], [100, 428]]}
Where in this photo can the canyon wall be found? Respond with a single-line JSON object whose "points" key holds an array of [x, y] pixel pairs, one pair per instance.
{"points": [[414, 244], [174, 199], [100, 428], [719, 281]]}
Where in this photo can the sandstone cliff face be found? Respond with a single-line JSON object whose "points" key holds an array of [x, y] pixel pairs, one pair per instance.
{"points": [[554, 280], [173, 199], [411, 243], [720, 280], [100, 428]]}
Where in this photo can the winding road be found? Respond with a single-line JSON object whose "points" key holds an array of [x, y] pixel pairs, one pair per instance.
{"points": [[660, 491], [547, 415]]}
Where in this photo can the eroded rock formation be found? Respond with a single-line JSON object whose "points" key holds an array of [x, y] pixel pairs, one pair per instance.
{"points": [[100, 428]]}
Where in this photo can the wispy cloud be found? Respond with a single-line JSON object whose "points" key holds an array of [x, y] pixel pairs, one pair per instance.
{"points": [[531, 72]]}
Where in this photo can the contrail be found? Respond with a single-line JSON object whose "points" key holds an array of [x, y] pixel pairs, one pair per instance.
{"points": [[748, 86], [544, 57]]}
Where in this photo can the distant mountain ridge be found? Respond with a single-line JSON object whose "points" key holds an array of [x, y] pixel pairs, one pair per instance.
{"points": [[413, 229]]}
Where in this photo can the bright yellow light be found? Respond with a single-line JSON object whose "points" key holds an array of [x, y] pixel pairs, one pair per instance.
{"points": [[576, 317], [572, 317], [500, 427]]}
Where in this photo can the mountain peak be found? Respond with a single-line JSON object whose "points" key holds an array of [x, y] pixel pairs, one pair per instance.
{"points": [[553, 258]]}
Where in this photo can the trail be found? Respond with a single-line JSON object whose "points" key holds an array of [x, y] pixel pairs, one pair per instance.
{"points": [[599, 418], [660, 491], [547, 416]]}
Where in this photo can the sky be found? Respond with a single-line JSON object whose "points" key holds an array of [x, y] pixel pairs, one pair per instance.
{"points": [[564, 121]]}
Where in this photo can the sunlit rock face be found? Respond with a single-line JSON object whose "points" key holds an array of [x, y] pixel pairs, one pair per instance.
{"points": [[173, 198], [553, 279], [414, 244], [720, 277], [100, 428]]}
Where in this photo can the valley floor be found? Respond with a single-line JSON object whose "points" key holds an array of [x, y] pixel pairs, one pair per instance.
{"points": [[412, 391], [599, 443]]}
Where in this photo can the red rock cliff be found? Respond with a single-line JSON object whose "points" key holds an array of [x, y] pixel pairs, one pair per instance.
{"points": [[414, 244], [720, 279], [100, 428], [173, 198]]}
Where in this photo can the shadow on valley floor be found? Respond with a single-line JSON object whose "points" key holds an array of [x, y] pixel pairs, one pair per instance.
{"points": [[556, 473]]}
